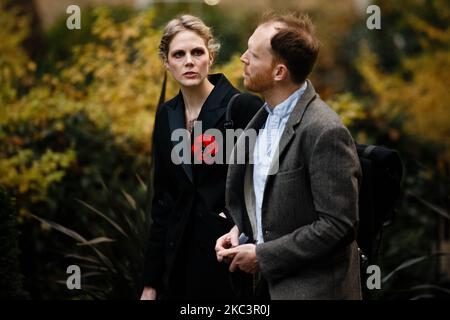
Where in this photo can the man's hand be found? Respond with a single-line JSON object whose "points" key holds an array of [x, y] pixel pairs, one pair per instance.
{"points": [[148, 294], [244, 258], [228, 240]]}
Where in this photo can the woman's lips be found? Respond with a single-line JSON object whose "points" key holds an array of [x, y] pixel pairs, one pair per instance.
{"points": [[190, 74]]}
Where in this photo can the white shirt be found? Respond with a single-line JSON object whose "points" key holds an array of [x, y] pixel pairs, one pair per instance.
{"points": [[265, 147]]}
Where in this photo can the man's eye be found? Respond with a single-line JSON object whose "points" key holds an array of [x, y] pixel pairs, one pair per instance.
{"points": [[197, 52]]}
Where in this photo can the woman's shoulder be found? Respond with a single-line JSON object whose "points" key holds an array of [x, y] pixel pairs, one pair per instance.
{"points": [[162, 110], [162, 114], [168, 104]]}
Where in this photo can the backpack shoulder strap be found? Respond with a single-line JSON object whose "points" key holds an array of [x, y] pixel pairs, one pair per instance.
{"points": [[368, 150], [229, 124]]}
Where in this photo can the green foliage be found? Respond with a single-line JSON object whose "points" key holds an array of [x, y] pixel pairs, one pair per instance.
{"points": [[349, 109], [81, 117], [27, 174], [111, 263], [89, 122], [15, 65], [11, 280], [403, 73], [422, 92], [41, 133]]}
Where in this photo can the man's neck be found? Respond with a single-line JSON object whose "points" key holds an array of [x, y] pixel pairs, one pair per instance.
{"points": [[276, 95]]}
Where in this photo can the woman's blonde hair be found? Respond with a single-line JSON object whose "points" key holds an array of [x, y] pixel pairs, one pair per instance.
{"points": [[190, 23]]}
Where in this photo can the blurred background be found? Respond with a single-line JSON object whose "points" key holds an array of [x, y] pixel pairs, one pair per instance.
{"points": [[76, 119]]}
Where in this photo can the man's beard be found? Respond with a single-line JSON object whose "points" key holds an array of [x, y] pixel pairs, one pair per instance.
{"points": [[260, 82]]}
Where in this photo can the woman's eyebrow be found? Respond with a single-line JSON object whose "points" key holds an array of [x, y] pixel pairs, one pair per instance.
{"points": [[176, 49], [198, 48]]}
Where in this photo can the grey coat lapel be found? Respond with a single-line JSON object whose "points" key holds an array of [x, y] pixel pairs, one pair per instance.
{"points": [[239, 172], [249, 196], [294, 120]]}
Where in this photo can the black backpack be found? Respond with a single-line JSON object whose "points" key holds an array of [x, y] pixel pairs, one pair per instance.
{"points": [[241, 108], [382, 172]]}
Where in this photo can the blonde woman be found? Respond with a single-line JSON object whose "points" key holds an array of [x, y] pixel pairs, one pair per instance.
{"points": [[188, 202]]}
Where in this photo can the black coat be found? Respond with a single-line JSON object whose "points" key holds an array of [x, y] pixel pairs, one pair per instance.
{"points": [[180, 260]]}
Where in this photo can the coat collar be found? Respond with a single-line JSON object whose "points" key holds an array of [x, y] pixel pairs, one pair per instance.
{"points": [[294, 120], [211, 112], [234, 196]]}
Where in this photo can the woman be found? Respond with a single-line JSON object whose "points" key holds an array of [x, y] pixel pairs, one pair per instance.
{"points": [[189, 199]]}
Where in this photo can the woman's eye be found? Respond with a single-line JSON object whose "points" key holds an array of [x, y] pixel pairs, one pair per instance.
{"points": [[197, 52], [178, 54]]}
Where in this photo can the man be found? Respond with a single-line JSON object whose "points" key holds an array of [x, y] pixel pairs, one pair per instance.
{"points": [[298, 203]]}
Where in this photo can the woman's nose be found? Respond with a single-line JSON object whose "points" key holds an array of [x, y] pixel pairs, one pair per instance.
{"points": [[189, 59]]}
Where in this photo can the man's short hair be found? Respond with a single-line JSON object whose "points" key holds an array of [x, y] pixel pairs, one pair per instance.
{"points": [[295, 44]]}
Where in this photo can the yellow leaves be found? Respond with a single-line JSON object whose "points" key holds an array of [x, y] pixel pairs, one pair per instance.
{"points": [[104, 27], [117, 78], [29, 172], [427, 96], [384, 86], [432, 32], [422, 98], [129, 32], [347, 107], [104, 72], [367, 65], [58, 126], [38, 108], [233, 70], [15, 65]]}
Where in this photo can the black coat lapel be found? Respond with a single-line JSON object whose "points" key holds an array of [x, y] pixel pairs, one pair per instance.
{"points": [[215, 105], [176, 121], [212, 111]]}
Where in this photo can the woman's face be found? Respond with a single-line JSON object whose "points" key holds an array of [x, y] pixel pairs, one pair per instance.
{"points": [[188, 59]]}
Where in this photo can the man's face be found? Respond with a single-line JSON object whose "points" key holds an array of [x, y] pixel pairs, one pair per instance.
{"points": [[258, 59]]}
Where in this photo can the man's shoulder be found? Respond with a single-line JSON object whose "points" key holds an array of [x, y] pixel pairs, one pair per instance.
{"points": [[321, 125], [321, 117]]}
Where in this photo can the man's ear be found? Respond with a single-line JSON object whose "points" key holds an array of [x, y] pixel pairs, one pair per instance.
{"points": [[281, 72]]}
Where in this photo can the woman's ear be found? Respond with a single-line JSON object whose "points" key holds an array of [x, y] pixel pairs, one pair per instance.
{"points": [[166, 65]]}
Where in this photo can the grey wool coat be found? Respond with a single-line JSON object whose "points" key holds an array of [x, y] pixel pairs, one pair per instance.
{"points": [[310, 205]]}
